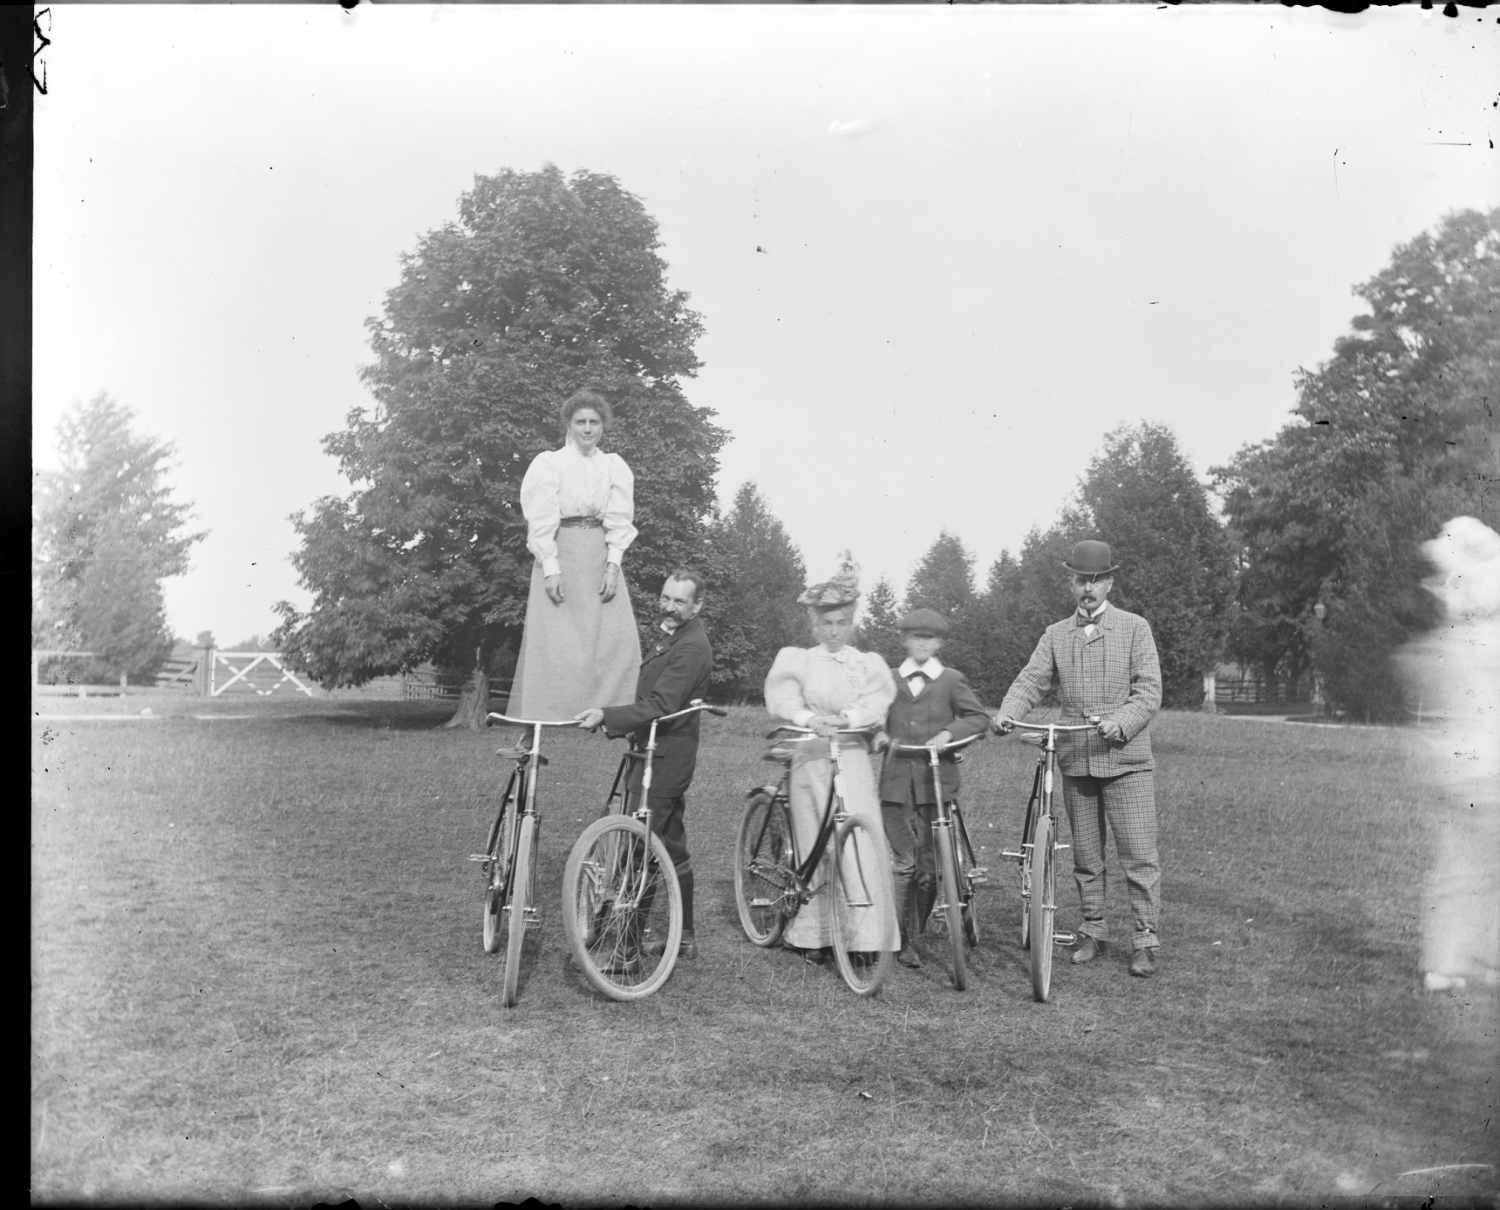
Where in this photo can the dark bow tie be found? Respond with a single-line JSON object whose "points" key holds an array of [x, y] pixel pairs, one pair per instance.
{"points": [[1084, 619], [920, 673]]}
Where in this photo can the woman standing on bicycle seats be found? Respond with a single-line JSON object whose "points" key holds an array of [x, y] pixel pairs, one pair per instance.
{"points": [[828, 687], [580, 644]]}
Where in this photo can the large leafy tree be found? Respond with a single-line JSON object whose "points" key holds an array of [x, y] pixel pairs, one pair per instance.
{"points": [[544, 283], [107, 532], [755, 575], [1142, 497], [1390, 437]]}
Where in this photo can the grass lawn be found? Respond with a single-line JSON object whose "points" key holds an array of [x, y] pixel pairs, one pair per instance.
{"points": [[257, 976]]}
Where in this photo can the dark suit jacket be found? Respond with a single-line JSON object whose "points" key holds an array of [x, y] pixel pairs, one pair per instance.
{"points": [[1115, 674], [946, 702], [673, 672]]}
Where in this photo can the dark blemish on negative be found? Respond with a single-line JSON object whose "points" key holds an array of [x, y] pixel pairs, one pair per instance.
{"points": [[1325, 423]]}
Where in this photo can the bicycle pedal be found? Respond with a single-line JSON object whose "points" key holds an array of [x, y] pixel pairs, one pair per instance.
{"points": [[978, 874], [479, 857], [1060, 847], [530, 916], [1012, 853], [1064, 938]]}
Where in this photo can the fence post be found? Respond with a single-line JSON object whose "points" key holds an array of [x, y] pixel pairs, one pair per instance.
{"points": [[122, 684], [204, 677], [1210, 692]]}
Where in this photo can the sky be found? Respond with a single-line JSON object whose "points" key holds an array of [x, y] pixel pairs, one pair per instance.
{"points": [[939, 251]]}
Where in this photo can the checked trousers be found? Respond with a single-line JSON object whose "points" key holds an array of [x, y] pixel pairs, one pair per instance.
{"points": [[1126, 804]]}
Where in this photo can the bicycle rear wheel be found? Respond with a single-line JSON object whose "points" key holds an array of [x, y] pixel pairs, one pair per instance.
{"points": [[764, 869], [970, 874], [952, 908], [499, 850], [1043, 907], [622, 908], [860, 907], [518, 908]]}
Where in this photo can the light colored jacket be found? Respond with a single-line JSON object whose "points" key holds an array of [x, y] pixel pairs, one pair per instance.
{"points": [[1116, 675]]}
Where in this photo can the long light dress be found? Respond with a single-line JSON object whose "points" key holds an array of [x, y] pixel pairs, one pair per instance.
{"points": [[586, 651], [806, 681]]}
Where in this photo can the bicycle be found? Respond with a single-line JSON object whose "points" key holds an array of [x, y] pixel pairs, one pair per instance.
{"points": [[959, 873], [621, 902], [1037, 856], [509, 857], [772, 883]]}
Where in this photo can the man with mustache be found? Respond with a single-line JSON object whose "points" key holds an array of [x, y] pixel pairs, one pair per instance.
{"points": [[673, 673], [1103, 661]]}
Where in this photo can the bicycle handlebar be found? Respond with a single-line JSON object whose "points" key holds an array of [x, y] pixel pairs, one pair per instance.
{"points": [[696, 704], [780, 727], [492, 716], [948, 747], [1094, 721]]}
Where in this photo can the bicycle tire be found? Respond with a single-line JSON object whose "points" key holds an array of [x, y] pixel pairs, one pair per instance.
{"points": [[968, 875], [856, 908], [621, 876], [1028, 828], [952, 908], [497, 867], [1043, 908], [765, 876], [517, 906]]}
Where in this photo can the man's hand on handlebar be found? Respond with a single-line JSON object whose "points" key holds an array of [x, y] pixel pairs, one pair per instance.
{"points": [[590, 719], [1004, 725]]}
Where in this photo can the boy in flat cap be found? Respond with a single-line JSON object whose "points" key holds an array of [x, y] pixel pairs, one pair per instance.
{"points": [[933, 705]]}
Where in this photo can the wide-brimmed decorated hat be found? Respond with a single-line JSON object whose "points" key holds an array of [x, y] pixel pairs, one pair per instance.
{"points": [[841, 589], [1090, 558], [923, 621]]}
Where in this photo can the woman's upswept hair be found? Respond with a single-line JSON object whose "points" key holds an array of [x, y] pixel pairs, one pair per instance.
{"points": [[585, 398]]}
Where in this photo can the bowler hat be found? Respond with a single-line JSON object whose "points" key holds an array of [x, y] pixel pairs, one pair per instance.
{"points": [[1090, 558], [928, 621]]}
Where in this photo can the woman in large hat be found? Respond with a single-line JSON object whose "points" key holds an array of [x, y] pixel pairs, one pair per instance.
{"points": [[827, 687]]}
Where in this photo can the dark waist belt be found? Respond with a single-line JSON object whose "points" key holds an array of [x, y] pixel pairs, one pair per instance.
{"points": [[581, 523]]}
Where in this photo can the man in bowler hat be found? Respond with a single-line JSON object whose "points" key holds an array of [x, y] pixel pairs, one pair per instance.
{"points": [[1103, 661]]}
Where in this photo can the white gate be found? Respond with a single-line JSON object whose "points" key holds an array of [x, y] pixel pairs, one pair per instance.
{"points": [[242, 664]]}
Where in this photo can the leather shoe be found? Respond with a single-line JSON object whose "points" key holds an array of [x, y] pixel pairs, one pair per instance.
{"points": [[687, 947], [1143, 962], [1086, 950], [909, 957]]}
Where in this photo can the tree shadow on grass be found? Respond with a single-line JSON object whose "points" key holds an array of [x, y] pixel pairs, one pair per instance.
{"points": [[388, 715]]}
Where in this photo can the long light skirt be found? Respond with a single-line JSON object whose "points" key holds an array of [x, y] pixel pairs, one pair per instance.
{"points": [[813, 926], [584, 652]]}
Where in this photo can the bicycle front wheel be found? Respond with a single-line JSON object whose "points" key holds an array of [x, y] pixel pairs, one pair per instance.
{"points": [[859, 883], [1043, 907], [952, 908], [519, 909], [970, 875], [622, 908], [764, 869], [498, 851]]}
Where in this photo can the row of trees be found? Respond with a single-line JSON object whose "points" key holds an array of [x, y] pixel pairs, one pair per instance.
{"points": [[1300, 558]]}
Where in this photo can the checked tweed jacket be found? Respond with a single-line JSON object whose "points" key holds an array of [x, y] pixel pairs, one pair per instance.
{"points": [[1115, 674]]}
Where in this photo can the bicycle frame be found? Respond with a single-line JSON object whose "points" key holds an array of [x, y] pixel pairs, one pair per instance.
{"points": [[834, 844], [1037, 931], [616, 871], [953, 882], [512, 846]]}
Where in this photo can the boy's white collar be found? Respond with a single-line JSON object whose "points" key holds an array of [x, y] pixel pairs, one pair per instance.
{"points": [[932, 667]]}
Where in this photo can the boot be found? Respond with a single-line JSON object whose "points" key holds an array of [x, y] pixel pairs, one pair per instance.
{"points": [[907, 956], [926, 896]]}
